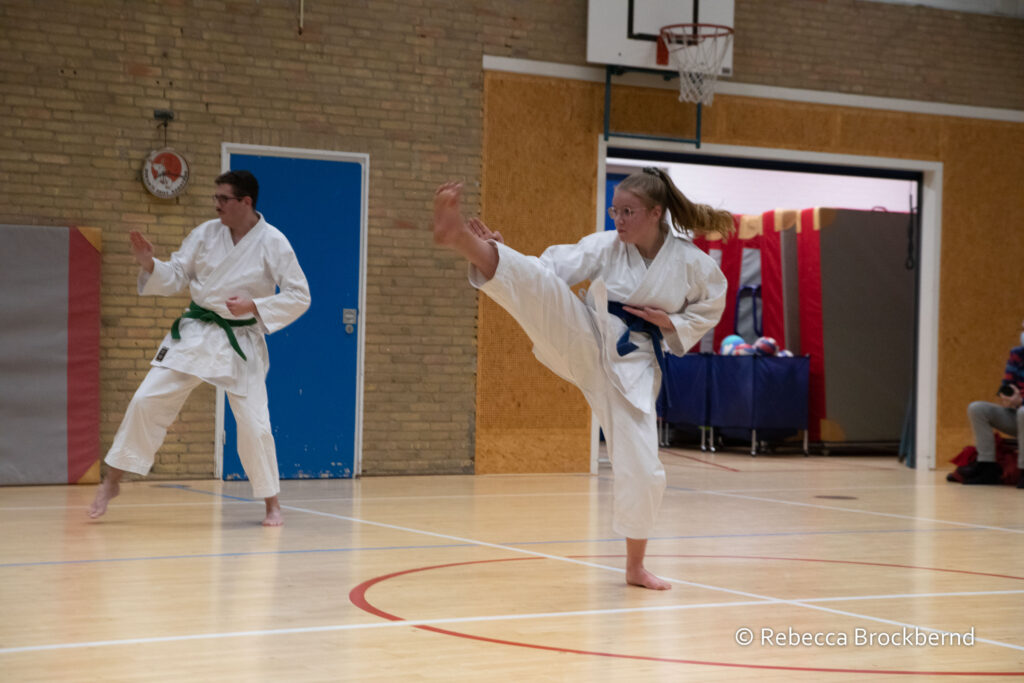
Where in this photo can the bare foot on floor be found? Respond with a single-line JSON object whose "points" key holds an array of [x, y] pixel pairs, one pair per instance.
{"points": [[643, 578], [273, 519], [274, 516], [108, 490]]}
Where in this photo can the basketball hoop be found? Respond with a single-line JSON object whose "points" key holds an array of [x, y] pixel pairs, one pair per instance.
{"points": [[698, 51]]}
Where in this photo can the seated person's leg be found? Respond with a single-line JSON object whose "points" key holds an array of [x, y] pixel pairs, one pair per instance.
{"points": [[1020, 446], [986, 417]]}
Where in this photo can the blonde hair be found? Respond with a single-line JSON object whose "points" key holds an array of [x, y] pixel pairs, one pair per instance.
{"points": [[655, 188]]}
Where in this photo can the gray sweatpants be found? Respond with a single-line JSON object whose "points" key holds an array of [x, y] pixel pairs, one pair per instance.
{"points": [[987, 416]]}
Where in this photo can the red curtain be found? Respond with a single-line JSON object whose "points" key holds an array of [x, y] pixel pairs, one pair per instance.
{"points": [[811, 325]]}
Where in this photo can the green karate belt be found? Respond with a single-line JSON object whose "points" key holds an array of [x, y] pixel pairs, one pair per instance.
{"points": [[197, 312]]}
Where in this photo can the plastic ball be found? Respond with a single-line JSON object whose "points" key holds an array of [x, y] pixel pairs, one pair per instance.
{"points": [[784, 353], [766, 346], [743, 350], [729, 343]]}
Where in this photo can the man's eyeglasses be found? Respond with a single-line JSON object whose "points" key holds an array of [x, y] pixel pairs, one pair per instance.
{"points": [[223, 198], [625, 212]]}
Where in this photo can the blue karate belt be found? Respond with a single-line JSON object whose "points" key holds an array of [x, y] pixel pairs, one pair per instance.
{"points": [[197, 312], [635, 323]]}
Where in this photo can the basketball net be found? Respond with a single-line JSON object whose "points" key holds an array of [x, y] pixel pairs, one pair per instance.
{"points": [[697, 51]]}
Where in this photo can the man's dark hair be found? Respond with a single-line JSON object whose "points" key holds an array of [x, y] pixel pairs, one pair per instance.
{"points": [[243, 182]]}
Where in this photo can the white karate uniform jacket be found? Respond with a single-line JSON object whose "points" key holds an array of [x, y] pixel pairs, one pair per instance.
{"points": [[214, 269], [682, 280]]}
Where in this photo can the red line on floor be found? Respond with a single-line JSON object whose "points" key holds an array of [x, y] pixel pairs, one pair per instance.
{"points": [[358, 598]]}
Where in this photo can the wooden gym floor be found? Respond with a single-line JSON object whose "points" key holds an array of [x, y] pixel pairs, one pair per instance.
{"points": [[842, 569]]}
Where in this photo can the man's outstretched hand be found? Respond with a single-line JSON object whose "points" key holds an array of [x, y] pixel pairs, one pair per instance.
{"points": [[142, 250]]}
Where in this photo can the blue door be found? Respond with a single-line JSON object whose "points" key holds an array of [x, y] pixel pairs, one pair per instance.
{"points": [[313, 384]]}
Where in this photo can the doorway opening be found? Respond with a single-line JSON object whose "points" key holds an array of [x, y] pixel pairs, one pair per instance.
{"points": [[879, 252]]}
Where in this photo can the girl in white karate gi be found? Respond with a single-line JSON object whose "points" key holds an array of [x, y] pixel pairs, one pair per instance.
{"points": [[643, 275], [245, 282]]}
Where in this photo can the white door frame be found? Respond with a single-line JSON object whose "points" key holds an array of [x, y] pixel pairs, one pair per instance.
{"points": [[226, 150], [930, 213]]}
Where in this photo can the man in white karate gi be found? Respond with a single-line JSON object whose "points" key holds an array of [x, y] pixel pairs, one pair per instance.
{"points": [[245, 282]]}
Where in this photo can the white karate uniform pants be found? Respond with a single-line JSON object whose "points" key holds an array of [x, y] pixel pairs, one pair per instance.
{"points": [[564, 334], [154, 408]]}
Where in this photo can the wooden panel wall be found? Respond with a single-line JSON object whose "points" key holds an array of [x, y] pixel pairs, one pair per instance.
{"points": [[540, 187]]}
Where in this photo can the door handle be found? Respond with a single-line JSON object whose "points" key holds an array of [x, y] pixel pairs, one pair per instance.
{"points": [[349, 317]]}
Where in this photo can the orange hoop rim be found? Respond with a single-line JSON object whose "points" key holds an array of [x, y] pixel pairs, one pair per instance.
{"points": [[717, 31]]}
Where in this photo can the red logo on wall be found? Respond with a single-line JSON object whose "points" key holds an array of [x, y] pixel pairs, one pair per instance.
{"points": [[167, 165]]}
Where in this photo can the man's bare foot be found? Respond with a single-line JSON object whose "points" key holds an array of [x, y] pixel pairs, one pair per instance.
{"points": [[274, 516], [448, 222], [107, 491], [643, 578]]}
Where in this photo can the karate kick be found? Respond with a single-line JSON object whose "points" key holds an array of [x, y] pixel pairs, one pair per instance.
{"points": [[233, 267], [649, 284]]}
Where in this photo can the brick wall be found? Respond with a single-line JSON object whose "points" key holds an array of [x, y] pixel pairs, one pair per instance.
{"points": [[401, 81], [871, 48]]}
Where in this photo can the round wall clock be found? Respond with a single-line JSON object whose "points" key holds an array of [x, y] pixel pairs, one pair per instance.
{"points": [[165, 173]]}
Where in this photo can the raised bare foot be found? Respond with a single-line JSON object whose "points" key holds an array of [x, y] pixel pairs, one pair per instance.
{"points": [[107, 491], [643, 578], [448, 221], [274, 516]]}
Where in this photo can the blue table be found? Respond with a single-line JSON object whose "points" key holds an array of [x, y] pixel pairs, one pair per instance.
{"points": [[738, 392]]}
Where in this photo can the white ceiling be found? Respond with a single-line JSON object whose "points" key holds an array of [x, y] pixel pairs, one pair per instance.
{"points": [[754, 191]]}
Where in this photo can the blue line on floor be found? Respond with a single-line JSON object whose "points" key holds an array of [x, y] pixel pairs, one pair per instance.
{"points": [[183, 487], [450, 545], [238, 554]]}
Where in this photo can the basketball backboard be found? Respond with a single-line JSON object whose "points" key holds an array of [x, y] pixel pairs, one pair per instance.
{"points": [[625, 32]]}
